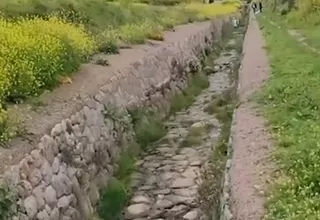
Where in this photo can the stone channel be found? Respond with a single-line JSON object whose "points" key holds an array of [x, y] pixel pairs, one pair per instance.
{"points": [[166, 183]]}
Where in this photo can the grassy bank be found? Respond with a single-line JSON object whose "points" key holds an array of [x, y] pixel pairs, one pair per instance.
{"points": [[43, 42], [291, 99]]}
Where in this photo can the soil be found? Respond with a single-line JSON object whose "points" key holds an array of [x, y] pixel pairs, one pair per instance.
{"points": [[251, 161]]}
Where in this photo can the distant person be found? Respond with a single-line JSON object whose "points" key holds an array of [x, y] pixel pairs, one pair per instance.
{"points": [[235, 22], [254, 7], [260, 7]]}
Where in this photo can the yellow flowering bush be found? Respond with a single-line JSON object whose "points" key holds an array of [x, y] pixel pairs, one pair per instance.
{"points": [[76, 34], [236, 3], [206, 11], [35, 52]]}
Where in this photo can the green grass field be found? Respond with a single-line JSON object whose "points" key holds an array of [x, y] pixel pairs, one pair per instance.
{"points": [[291, 100]]}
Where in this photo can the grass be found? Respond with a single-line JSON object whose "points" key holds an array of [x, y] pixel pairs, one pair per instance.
{"points": [[42, 41], [195, 136], [196, 84], [218, 103], [6, 201], [113, 200], [291, 101]]}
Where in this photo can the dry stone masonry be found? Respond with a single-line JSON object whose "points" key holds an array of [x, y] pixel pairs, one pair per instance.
{"points": [[61, 178]]}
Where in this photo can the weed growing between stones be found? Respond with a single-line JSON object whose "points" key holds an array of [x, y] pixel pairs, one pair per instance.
{"points": [[147, 126], [196, 84], [196, 135], [219, 102], [113, 200], [5, 203], [116, 195]]}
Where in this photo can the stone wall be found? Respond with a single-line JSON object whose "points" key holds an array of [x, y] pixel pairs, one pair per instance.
{"points": [[61, 177]]}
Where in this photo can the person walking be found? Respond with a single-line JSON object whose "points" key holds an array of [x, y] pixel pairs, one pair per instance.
{"points": [[260, 6], [254, 7]]}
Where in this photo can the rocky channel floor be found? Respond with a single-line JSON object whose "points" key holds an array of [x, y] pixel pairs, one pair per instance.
{"points": [[166, 184]]}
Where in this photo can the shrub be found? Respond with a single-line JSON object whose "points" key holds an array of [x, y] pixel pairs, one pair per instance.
{"points": [[35, 52], [6, 201], [148, 127], [207, 11], [113, 200], [11, 125]]}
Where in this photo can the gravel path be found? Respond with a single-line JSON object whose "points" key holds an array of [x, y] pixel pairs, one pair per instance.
{"points": [[252, 142]]}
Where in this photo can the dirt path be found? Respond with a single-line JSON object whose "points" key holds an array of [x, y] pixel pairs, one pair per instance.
{"points": [[252, 143]]}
